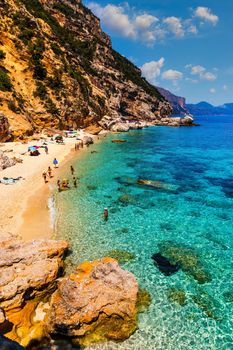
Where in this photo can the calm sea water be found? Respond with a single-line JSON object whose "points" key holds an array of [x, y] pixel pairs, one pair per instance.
{"points": [[194, 209]]}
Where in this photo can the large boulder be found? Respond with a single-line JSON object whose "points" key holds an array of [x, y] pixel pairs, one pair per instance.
{"points": [[5, 161], [120, 127], [88, 140], [4, 128], [27, 268], [187, 121], [96, 303]]}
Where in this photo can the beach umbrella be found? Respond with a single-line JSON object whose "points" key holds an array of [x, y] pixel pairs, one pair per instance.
{"points": [[32, 149]]}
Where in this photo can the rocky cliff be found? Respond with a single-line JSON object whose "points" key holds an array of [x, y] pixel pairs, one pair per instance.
{"points": [[58, 69], [178, 103]]}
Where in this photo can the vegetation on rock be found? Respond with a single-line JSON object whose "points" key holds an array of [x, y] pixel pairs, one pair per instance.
{"points": [[60, 61]]}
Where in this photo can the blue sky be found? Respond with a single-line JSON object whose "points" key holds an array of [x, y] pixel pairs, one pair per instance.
{"points": [[182, 45]]}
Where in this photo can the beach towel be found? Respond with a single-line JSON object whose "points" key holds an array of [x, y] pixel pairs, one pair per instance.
{"points": [[9, 180]]}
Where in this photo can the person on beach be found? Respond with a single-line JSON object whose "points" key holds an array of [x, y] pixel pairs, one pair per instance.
{"points": [[106, 214], [65, 184], [81, 144], [59, 185], [72, 170], [44, 175], [46, 150], [49, 172], [55, 163], [75, 182]]}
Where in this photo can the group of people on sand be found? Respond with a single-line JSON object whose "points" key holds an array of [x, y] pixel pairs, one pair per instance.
{"points": [[47, 174], [78, 145], [65, 184]]}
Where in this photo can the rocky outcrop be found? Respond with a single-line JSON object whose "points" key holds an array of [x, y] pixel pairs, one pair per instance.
{"points": [[5, 161], [178, 103], [96, 302], [88, 140], [58, 69], [120, 127], [187, 121], [4, 128], [27, 269]]}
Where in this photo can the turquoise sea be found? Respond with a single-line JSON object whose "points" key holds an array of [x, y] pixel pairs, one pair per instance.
{"points": [[193, 209]]}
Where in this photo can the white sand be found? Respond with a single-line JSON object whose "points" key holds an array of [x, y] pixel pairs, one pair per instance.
{"points": [[30, 191]]}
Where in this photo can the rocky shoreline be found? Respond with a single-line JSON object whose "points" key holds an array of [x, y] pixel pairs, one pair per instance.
{"points": [[97, 302]]}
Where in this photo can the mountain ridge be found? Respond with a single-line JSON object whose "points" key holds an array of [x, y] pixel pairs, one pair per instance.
{"points": [[205, 108], [58, 69]]}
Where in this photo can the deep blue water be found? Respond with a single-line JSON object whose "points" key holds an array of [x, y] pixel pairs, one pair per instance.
{"points": [[192, 209]]}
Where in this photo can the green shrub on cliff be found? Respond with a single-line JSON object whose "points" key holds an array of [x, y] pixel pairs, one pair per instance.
{"points": [[40, 91], [2, 55], [5, 82], [13, 107]]}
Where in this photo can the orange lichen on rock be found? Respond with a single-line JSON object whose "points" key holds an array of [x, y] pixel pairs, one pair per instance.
{"points": [[96, 303]]}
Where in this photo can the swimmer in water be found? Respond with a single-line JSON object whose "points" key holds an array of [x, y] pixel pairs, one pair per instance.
{"points": [[106, 214]]}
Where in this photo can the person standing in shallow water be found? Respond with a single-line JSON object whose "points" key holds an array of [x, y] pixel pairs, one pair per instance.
{"points": [[44, 175], [75, 182], [106, 214], [72, 170], [59, 185], [49, 172]]}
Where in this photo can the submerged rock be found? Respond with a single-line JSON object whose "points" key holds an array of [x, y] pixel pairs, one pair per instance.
{"points": [[96, 303], [157, 184], [164, 264], [144, 300], [127, 199], [177, 295], [119, 141], [208, 305], [91, 187], [121, 255], [186, 258], [228, 296]]}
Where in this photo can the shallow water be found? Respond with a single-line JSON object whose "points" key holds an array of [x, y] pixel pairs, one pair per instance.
{"points": [[193, 208]]}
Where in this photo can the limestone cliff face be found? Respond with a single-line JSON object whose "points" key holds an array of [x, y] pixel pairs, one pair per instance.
{"points": [[58, 69], [178, 103]]}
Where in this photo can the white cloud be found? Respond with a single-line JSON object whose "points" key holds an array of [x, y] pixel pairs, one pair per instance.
{"points": [[172, 74], [205, 14], [192, 29], [115, 19], [225, 87], [201, 72], [151, 70], [209, 76], [145, 21], [197, 70], [175, 26], [126, 21], [212, 90]]}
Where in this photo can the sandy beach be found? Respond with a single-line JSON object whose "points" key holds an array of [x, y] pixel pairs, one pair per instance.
{"points": [[24, 204]]}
